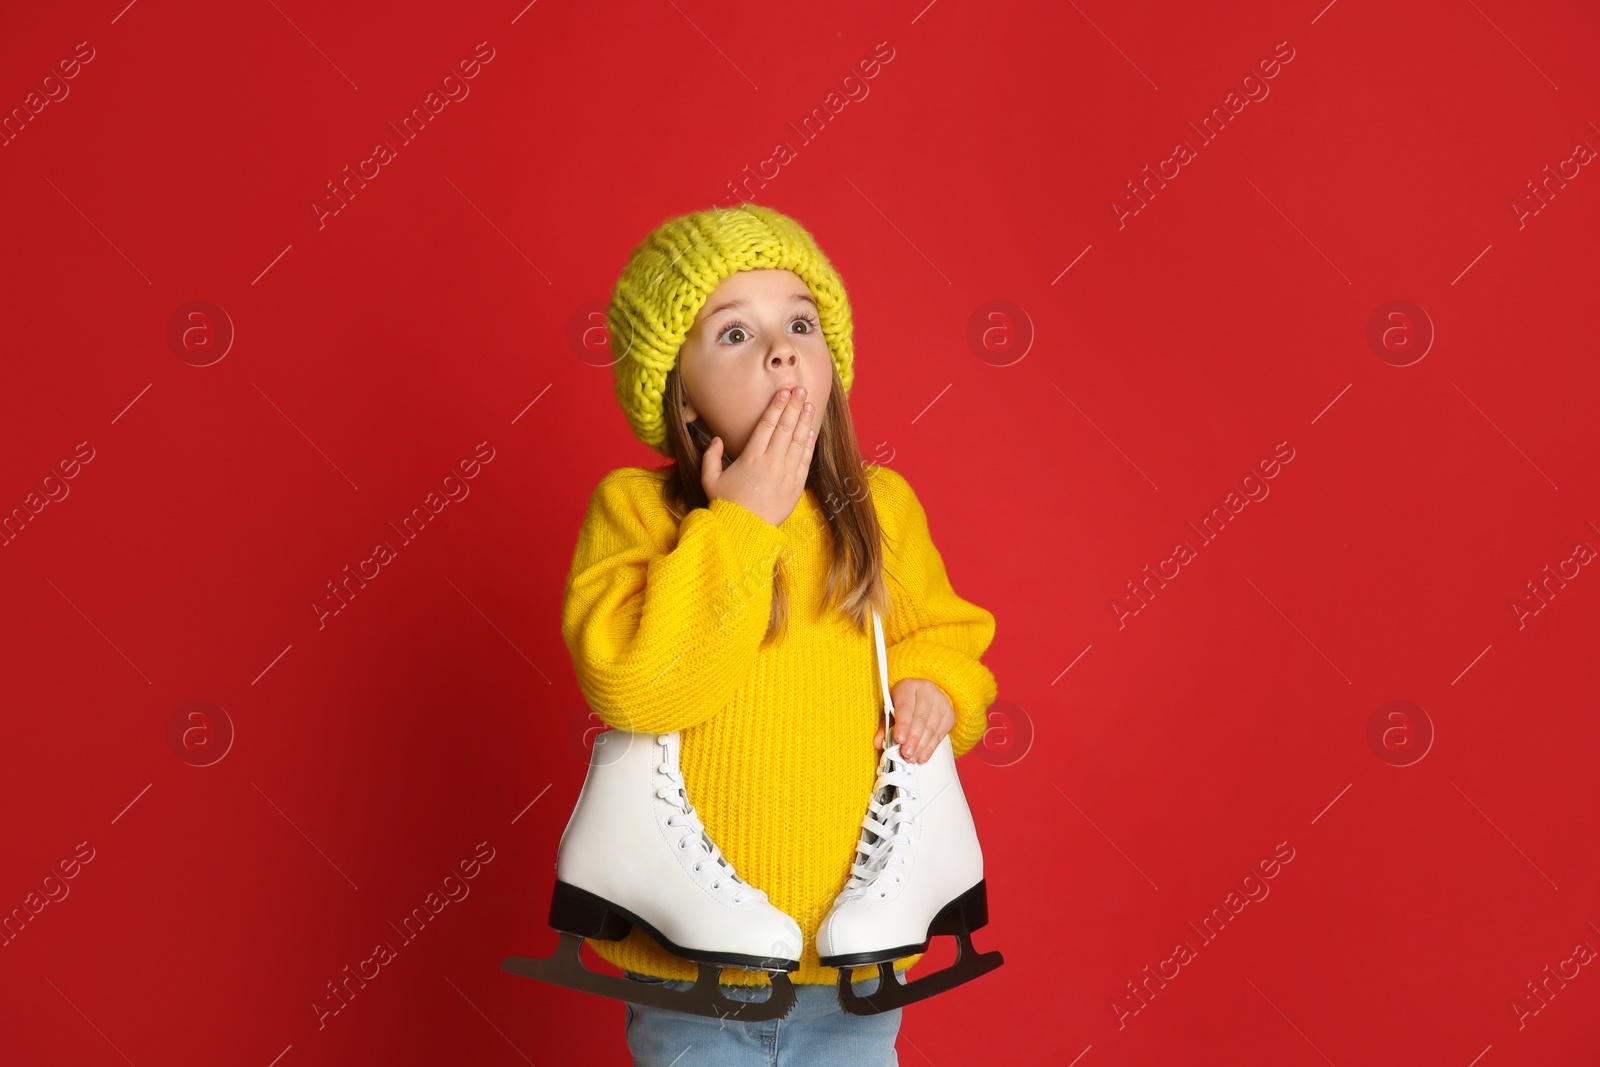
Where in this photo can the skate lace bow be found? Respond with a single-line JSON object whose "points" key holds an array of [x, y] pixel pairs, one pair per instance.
{"points": [[884, 825], [696, 836]]}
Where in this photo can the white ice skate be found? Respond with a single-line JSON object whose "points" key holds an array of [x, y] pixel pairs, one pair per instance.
{"points": [[918, 872], [635, 853]]}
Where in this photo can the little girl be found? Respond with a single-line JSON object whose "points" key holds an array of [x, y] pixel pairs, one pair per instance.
{"points": [[729, 596]]}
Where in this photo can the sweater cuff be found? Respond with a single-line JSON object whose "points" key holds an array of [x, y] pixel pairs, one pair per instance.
{"points": [[747, 527], [968, 683], [755, 546]]}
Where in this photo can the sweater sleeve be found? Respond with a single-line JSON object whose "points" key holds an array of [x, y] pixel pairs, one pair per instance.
{"points": [[933, 633], [662, 633]]}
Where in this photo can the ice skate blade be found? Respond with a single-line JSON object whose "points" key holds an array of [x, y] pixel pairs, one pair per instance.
{"points": [[565, 968], [895, 992]]}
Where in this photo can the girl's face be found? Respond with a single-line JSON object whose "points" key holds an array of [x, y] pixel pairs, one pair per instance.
{"points": [[756, 333]]}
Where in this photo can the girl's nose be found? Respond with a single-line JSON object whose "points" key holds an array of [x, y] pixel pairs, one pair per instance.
{"points": [[779, 360]]}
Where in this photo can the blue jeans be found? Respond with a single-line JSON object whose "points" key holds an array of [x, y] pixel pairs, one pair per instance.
{"points": [[815, 1033]]}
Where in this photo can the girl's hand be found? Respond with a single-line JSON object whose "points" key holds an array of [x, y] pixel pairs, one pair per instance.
{"points": [[922, 717], [769, 477]]}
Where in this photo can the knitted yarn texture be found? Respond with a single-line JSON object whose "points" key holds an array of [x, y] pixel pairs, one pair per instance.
{"points": [[667, 279], [664, 627]]}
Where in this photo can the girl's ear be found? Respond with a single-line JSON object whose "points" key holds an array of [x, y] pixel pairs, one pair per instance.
{"points": [[689, 412]]}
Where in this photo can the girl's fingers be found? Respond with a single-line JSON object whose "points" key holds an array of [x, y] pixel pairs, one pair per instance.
{"points": [[783, 436], [937, 731], [804, 438], [711, 465], [762, 434], [916, 728], [913, 728]]}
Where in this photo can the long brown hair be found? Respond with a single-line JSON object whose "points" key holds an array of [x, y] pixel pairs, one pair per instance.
{"points": [[855, 583]]}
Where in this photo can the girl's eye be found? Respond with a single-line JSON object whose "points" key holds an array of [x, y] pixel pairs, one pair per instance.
{"points": [[743, 331]]}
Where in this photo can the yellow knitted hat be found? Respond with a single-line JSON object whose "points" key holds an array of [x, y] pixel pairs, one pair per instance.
{"points": [[670, 274]]}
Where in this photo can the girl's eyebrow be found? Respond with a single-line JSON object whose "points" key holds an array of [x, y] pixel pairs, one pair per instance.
{"points": [[793, 298]]}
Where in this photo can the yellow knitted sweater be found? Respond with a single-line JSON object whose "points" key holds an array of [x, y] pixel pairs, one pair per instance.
{"points": [[664, 621]]}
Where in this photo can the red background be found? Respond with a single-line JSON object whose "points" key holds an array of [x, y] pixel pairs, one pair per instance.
{"points": [[444, 305]]}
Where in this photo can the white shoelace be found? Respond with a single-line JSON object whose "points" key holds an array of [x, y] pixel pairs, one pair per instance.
{"points": [[675, 792], [886, 815], [883, 827]]}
